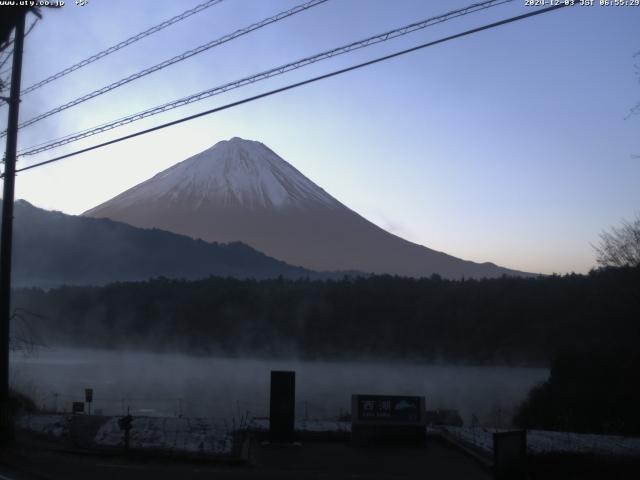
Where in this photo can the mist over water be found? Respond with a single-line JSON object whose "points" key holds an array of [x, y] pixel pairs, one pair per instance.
{"points": [[226, 388]]}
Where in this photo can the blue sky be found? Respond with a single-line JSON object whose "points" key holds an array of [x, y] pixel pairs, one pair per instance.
{"points": [[508, 146]]}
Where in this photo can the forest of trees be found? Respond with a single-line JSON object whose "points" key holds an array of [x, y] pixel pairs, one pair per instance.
{"points": [[589, 390], [506, 320]]}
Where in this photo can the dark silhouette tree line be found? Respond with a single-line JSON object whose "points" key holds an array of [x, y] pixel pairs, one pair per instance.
{"points": [[504, 320]]}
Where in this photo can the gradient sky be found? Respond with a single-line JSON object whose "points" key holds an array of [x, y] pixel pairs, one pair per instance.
{"points": [[509, 146]]}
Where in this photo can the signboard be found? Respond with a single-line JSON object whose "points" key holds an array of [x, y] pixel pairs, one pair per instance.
{"points": [[282, 406], [388, 419], [388, 409], [77, 407], [88, 395]]}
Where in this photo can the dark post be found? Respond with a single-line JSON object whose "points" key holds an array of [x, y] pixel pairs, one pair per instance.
{"points": [[6, 430], [88, 398], [510, 455], [282, 406], [125, 424]]}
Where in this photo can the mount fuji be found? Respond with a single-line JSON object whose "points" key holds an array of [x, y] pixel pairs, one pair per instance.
{"points": [[240, 190]]}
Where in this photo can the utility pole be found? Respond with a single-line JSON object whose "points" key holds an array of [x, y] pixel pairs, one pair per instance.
{"points": [[6, 422]]}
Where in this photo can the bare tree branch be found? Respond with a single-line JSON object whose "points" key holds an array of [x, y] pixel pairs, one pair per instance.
{"points": [[620, 247], [24, 336]]}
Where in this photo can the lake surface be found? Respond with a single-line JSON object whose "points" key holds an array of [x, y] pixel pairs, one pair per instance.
{"points": [[226, 388]]}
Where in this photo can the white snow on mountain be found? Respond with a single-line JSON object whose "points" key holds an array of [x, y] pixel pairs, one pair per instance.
{"points": [[233, 172]]}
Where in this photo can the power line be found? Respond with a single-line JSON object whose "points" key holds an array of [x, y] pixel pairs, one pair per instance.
{"points": [[4, 80], [299, 84], [33, 24], [6, 45], [124, 43], [190, 53], [6, 58], [382, 37]]}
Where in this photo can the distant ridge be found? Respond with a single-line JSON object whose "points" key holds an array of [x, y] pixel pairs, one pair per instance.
{"points": [[240, 190], [52, 249]]}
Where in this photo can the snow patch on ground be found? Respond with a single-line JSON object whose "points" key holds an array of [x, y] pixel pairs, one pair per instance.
{"points": [[53, 425], [540, 441], [188, 435], [193, 435], [316, 426], [204, 436]]}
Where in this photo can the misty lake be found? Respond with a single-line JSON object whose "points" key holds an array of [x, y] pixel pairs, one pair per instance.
{"points": [[225, 388]]}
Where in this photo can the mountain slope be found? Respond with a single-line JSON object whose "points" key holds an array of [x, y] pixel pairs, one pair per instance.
{"points": [[240, 190], [51, 248]]}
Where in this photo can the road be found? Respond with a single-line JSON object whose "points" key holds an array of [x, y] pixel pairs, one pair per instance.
{"points": [[309, 461]]}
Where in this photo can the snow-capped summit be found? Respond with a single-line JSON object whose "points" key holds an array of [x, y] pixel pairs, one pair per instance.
{"points": [[233, 172], [240, 190]]}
